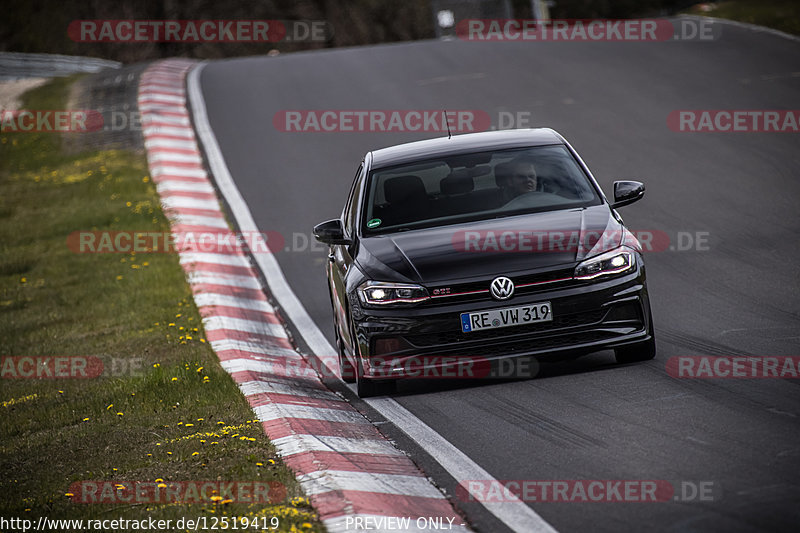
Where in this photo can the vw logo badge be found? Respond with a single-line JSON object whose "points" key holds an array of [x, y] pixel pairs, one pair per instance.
{"points": [[502, 288]]}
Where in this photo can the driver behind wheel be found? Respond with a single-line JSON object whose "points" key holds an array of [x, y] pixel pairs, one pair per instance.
{"points": [[516, 177]]}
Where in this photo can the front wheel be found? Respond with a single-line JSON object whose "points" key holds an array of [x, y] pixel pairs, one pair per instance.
{"points": [[346, 370]]}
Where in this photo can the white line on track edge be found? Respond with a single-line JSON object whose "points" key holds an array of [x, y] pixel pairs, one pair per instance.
{"points": [[515, 514]]}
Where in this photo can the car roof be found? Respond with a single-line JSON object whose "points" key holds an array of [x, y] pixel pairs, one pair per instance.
{"points": [[460, 144]]}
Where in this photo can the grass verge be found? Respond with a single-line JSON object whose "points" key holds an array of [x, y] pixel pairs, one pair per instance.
{"points": [[783, 15], [162, 411]]}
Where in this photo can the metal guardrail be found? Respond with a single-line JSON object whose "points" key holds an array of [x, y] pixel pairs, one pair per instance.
{"points": [[14, 65]]}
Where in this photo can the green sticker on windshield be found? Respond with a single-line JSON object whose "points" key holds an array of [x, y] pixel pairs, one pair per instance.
{"points": [[374, 223]]}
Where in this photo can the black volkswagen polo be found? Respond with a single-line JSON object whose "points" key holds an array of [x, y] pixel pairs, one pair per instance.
{"points": [[455, 257]]}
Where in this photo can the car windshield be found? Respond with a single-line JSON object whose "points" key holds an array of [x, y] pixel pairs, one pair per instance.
{"points": [[477, 186]]}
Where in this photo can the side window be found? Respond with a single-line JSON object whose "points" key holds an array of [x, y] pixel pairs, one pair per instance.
{"points": [[351, 210]]}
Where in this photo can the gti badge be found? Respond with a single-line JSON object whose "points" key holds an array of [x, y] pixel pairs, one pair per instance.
{"points": [[502, 288]]}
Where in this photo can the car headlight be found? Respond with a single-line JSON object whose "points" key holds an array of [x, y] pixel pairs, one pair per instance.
{"points": [[616, 261], [383, 293]]}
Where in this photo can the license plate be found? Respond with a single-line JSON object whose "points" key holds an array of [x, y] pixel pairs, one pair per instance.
{"points": [[508, 316]]}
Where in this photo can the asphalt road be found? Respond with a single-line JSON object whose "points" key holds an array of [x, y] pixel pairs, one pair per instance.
{"points": [[588, 419]]}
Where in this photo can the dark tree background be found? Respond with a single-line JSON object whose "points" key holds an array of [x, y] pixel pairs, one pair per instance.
{"points": [[41, 25]]}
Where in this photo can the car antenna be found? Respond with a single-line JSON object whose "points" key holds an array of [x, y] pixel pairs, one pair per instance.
{"points": [[446, 121]]}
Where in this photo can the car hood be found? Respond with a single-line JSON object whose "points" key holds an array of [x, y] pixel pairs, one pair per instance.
{"points": [[476, 250]]}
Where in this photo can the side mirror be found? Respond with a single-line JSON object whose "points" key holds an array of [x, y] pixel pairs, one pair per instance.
{"points": [[627, 192], [330, 232]]}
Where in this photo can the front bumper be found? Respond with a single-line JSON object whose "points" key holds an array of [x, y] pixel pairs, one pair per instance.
{"points": [[428, 341]]}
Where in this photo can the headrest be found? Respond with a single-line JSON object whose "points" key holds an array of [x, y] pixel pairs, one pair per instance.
{"points": [[403, 189], [457, 183]]}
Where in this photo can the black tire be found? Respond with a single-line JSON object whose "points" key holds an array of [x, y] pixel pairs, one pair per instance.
{"points": [[346, 370]]}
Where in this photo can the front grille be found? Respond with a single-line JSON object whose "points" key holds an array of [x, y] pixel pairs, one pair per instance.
{"points": [[455, 336], [479, 290]]}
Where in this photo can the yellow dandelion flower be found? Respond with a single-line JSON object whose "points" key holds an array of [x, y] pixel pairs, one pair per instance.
{"points": [[23, 280], [200, 368], [200, 419], [109, 406], [68, 494], [189, 425], [174, 379], [156, 365], [159, 480], [226, 502], [86, 419], [162, 485], [195, 453], [119, 278], [120, 414], [169, 453], [128, 204]]}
